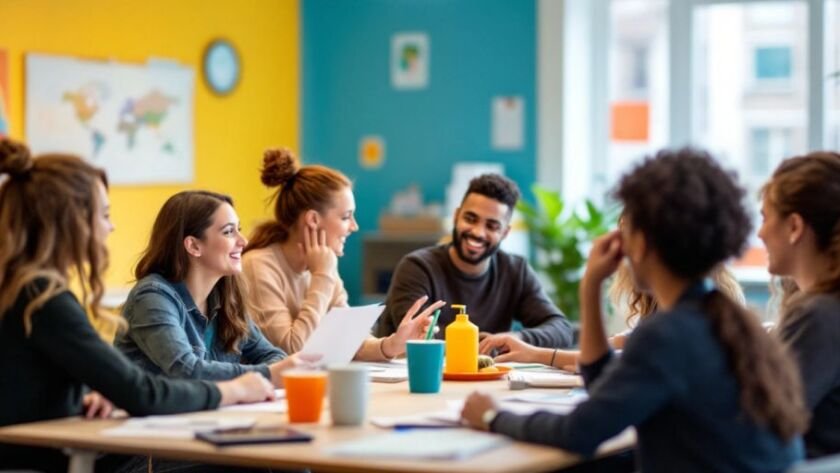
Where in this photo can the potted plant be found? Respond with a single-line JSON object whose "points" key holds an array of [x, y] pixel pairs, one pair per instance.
{"points": [[560, 235]]}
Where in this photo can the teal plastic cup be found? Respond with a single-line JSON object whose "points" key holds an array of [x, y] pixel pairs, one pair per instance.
{"points": [[425, 365]]}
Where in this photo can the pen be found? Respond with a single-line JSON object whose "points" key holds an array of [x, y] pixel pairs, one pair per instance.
{"points": [[405, 427], [431, 330]]}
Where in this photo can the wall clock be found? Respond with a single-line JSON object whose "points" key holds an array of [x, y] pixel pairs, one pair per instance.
{"points": [[221, 66]]}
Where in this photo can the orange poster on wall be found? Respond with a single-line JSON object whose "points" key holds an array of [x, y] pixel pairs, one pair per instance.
{"points": [[4, 93], [630, 121]]}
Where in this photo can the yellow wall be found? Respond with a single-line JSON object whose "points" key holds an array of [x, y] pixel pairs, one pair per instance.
{"points": [[230, 133]]}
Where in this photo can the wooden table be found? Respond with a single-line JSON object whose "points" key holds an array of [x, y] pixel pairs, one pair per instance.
{"points": [[82, 435]]}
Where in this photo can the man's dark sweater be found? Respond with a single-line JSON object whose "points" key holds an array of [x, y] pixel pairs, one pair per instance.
{"points": [[673, 382], [42, 376], [812, 330], [507, 291]]}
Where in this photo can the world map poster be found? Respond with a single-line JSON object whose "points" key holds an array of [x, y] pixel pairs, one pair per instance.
{"points": [[134, 120]]}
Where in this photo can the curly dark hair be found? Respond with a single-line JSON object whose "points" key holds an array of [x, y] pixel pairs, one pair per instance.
{"points": [[496, 187], [690, 212], [688, 208]]}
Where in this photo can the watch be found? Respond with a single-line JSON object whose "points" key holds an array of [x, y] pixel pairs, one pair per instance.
{"points": [[221, 66], [488, 417]]}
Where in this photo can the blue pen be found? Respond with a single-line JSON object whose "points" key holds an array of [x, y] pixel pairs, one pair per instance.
{"points": [[405, 427]]}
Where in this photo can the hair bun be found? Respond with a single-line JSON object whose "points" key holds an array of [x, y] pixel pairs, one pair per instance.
{"points": [[279, 165], [15, 158]]}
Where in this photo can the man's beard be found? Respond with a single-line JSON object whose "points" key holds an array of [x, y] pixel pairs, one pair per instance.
{"points": [[458, 239]]}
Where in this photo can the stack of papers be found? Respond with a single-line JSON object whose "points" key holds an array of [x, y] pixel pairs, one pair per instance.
{"points": [[176, 426], [519, 379], [561, 402], [391, 375], [449, 444], [393, 371], [446, 418]]}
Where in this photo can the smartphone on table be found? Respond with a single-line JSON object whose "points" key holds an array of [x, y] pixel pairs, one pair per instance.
{"points": [[253, 435]]}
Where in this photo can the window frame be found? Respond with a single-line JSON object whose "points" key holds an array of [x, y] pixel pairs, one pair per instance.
{"points": [[584, 26]]}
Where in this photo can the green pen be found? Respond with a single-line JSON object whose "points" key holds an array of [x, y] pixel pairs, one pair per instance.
{"points": [[431, 330]]}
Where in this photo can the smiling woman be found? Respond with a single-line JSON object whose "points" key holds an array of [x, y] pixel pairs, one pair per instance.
{"points": [[291, 264], [185, 314]]}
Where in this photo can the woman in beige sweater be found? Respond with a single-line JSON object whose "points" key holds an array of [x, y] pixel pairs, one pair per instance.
{"points": [[290, 267]]}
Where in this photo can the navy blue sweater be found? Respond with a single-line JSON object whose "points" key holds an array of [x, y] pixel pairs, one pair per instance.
{"points": [[674, 384]]}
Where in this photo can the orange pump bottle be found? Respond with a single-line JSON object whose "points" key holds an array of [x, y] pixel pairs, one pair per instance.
{"points": [[461, 343]]}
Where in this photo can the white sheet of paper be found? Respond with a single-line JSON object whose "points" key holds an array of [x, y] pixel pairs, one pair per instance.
{"points": [[508, 123], [436, 444], [556, 379], [175, 426], [278, 405], [341, 332]]}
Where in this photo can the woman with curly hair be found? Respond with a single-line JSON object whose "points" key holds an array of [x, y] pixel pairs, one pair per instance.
{"points": [[705, 386], [801, 230], [291, 263]]}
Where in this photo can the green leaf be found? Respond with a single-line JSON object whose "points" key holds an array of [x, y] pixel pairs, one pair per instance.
{"points": [[559, 239], [550, 203]]}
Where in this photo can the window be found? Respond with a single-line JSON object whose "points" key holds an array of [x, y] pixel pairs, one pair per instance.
{"points": [[752, 81], [742, 78], [743, 117], [772, 63], [832, 73], [767, 147], [638, 71]]}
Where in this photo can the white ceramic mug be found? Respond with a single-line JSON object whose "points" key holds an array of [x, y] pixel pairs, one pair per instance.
{"points": [[348, 393]]}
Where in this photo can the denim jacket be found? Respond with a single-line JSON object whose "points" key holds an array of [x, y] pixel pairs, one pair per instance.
{"points": [[166, 335]]}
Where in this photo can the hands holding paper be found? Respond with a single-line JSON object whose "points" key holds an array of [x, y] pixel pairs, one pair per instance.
{"points": [[411, 328]]}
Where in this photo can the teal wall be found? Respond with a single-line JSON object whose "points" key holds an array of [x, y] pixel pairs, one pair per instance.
{"points": [[479, 49]]}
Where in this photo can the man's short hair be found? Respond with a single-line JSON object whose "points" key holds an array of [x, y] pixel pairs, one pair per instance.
{"points": [[496, 187]]}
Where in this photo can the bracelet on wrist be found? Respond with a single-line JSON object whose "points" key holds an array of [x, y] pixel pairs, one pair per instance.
{"points": [[382, 349]]}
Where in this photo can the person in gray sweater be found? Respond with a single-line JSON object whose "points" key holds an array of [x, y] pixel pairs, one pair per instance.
{"points": [[801, 230], [496, 287], [705, 386]]}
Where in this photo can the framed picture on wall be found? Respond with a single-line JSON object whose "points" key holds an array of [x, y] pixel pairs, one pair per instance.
{"points": [[410, 61], [133, 119]]}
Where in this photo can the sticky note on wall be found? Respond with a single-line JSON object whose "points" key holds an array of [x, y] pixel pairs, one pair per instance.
{"points": [[630, 121]]}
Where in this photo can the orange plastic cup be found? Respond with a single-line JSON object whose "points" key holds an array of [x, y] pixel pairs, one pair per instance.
{"points": [[305, 392]]}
